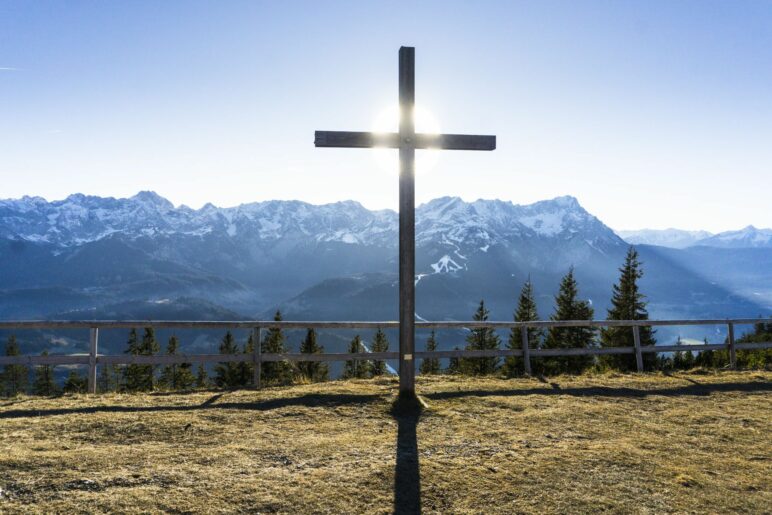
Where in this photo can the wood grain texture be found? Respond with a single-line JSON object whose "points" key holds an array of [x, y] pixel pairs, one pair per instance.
{"points": [[637, 344], [731, 347], [92, 359], [349, 139]]}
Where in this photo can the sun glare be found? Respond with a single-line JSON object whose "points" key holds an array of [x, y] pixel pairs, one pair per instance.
{"points": [[388, 121]]}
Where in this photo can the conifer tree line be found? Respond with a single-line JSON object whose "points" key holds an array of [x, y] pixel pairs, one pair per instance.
{"points": [[627, 303], [140, 377]]}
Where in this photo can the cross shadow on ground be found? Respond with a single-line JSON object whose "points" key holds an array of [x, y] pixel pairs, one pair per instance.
{"points": [[407, 474]]}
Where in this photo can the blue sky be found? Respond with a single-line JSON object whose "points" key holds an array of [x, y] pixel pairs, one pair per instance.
{"points": [[653, 114]]}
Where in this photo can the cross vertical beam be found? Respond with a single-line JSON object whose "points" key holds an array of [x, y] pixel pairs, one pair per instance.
{"points": [[406, 221], [407, 141]]}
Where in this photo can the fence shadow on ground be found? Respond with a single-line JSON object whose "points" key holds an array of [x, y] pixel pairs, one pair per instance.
{"points": [[693, 389], [308, 400]]}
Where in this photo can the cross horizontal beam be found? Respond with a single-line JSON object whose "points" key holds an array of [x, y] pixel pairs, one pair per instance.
{"points": [[348, 139]]}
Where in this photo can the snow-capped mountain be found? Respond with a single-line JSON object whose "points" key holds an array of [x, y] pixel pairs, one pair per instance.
{"points": [[333, 261], [749, 237], [81, 219], [672, 238]]}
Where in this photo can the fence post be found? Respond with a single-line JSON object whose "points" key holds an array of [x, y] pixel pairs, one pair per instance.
{"points": [[92, 359], [257, 357], [526, 350], [730, 347], [637, 343]]}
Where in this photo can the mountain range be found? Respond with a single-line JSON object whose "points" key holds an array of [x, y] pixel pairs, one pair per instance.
{"points": [[142, 257]]}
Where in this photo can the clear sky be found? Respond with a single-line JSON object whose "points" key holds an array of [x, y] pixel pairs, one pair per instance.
{"points": [[653, 114]]}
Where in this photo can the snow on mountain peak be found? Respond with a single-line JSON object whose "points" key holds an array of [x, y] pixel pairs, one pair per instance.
{"points": [[151, 198], [749, 236], [473, 225]]}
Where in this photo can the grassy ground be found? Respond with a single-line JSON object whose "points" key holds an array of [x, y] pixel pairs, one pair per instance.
{"points": [[689, 442]]}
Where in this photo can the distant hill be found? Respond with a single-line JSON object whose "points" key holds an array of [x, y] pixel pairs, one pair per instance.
{"points": [[673, 238], [749, 237]]}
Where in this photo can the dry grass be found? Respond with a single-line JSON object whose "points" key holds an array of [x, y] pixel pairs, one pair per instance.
{"points": [[619, 443]]}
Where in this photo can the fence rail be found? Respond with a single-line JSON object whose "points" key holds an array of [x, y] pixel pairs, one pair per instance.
{"points": [[94, 359]]}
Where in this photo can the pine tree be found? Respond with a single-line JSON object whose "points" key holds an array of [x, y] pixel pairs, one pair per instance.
{"points": [[44, 383], [356, 368], [683, 360], [247, 368], [314, 371], [202, 379], [430, 366], [176, 376], [132, 374], [380, 344], [454, 364], [227, 374], [149, 347], [75, 383], [526, 312], [755, 358], [627, 303], [569, 307], [109, 379], [139, 378], [276, 372], [15, 377], [704, 358], [481, 339]]}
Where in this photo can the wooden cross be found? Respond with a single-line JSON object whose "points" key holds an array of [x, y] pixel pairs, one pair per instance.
{"points": [[407, 141]]}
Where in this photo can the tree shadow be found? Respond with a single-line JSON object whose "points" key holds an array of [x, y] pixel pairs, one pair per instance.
{"points": [[407, 474], [694, 389], [309, 400]]}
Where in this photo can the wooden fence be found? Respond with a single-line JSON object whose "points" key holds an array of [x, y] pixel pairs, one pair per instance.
{"points": [[94, 359]]}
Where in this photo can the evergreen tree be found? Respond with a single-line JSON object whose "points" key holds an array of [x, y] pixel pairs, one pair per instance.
{"points": [[109, 379], [149, 348], [247, 368], [44, 383], [627, 303], [380, 344], [356, 368], [202, 379], [430, 366], [755, 358], [140, 377], [276, 372], [176, 376], [526, 312], [314, 371], [683, 360], [454, 364], [569, 307], [75, 383], [481, 339], [663, 363], [704, 358], [132, 374], [15, 377], [227, 373]]}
